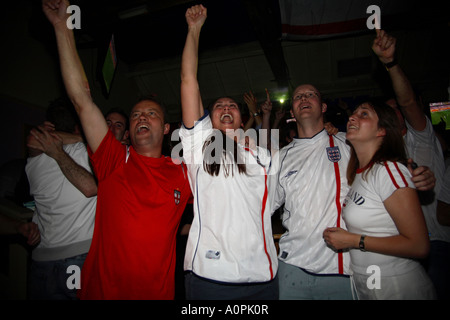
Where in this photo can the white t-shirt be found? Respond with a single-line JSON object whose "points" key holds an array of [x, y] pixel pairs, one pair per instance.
{"points": [[312, 184], [444, 195], [424, 148], [63, 214], [364, 213], [230, 239]]}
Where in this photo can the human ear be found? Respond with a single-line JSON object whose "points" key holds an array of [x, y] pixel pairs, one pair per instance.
{"points": [[381, 132], [166, 128]]}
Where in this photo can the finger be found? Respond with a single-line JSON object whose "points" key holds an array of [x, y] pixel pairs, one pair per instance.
{"points": [[36, 133], [55, 136], [267, 95], [49, 126]]}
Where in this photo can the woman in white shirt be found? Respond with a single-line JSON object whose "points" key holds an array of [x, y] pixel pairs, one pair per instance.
{"points": [[386, 227], [230, 252]]}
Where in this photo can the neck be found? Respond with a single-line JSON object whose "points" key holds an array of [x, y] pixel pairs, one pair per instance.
{"points": [[309, 130], [148, 152], [364, 153]]}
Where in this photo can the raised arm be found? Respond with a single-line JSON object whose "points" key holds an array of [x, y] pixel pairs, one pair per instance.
{"points": [[384, 48], [75, 81], [191, 102]]}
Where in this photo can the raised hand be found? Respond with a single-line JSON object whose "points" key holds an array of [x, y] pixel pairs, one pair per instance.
{"points": [[48, 142], [196, 16], [266, 107], [55, 11], [384, 46], [251, 102]]}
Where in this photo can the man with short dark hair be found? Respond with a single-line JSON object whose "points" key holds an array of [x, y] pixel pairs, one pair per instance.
{"points": [[64, 191], [142, 194]]}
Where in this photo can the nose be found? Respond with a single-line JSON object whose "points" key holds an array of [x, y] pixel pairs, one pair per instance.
{"points": [[351, 118], [142, 116]]}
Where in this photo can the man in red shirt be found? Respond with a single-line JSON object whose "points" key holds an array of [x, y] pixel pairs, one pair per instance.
{"points": [[141, 194]]}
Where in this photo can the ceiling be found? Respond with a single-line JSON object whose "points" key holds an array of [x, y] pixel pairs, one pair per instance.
{"points": [[241, 49]]}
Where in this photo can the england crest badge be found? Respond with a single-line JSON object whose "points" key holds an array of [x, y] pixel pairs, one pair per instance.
{"points": [[177, 196], [334, 154]]}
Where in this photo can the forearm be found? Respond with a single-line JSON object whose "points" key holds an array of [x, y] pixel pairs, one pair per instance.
{"points": [[402, 87], [265, 121], [398, 245], [406, 98], [77, 87], [192, 107], [77, 175], [72, 70]]}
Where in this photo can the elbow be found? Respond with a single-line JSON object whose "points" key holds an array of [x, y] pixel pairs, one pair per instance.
{"points": [[421, 250], [90, 192]]}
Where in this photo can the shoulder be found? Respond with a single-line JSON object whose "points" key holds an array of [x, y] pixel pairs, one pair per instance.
{"points": [[392, 173], [203, 123], [75, 147]]}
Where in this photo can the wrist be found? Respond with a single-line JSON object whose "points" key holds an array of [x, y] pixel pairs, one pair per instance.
{"points": [[390, 64], [361, 243]]}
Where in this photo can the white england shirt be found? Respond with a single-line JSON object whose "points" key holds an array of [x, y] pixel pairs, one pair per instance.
{"points": [[230, 239], [364, 213], [312, 184]]}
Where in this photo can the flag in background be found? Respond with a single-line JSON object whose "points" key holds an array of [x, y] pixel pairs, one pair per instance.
{"points": [[311, 19]]}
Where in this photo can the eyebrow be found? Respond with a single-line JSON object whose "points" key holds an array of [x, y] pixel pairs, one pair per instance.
{"points": [[145, 110]]}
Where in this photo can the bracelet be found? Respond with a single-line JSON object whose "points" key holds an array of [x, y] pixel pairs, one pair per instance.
{"points": [[391, 64], [362, 246]]}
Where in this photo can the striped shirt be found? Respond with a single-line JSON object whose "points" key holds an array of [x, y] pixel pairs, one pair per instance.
{"points": [[364, 213]]}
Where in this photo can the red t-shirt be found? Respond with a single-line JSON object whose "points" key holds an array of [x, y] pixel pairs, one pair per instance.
{"points": [[139, 206]]}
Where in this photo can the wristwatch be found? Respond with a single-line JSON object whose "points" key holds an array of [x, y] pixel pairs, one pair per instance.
{"points": [[362, 247], [390, 64], [256, 114]]}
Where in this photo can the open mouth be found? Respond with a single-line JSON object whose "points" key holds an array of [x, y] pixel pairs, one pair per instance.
{"points": [[305, 107], [226, 118], [142, 128]]}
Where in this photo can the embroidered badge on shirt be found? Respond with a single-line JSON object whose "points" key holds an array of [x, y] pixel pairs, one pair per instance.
{"points": [[213, 254], [334, 154], [177, 196]]}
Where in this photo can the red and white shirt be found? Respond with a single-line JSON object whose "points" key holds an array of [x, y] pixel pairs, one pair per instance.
{"points": [[364, 213], [230, 239], [312, 184]]}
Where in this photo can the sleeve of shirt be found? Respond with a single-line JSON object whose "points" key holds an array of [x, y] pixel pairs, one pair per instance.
{"points": [[109, 154], [80, 155], [193, 140], [391, 176]]}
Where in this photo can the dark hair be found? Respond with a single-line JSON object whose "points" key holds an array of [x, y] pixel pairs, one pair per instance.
{"points": [[122, 113], [211, 105], [153, 98], [392, 147], [62, 114], [213, 167]]}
